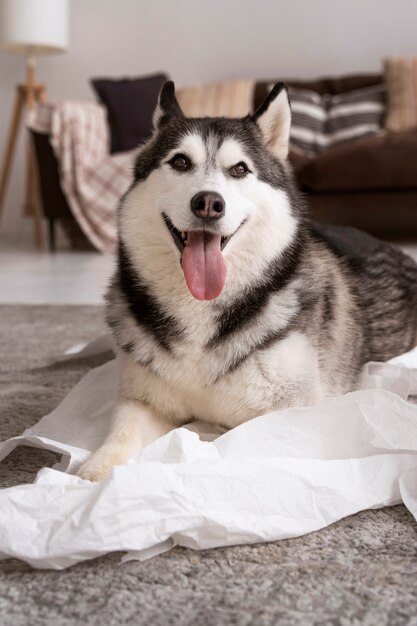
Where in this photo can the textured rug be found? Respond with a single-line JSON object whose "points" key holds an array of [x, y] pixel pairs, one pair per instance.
{"points": [[362, 570]]}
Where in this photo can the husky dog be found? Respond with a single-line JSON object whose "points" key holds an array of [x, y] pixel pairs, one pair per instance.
{"points": [[227, 301]]}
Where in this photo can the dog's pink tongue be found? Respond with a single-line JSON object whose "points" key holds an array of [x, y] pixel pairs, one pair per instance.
{"points": [[203, 265]]}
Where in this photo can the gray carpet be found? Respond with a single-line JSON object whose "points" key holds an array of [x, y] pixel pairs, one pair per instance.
{"points": [[362, 570]]}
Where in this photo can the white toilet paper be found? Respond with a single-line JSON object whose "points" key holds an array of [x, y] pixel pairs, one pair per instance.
{"points": [[280, 475]]}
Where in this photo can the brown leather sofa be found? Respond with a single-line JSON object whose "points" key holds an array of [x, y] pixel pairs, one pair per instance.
{"points": [[369, 183], [54, 203]]}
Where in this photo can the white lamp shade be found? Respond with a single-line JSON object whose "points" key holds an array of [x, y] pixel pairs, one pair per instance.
{"points": [[34, 27]]}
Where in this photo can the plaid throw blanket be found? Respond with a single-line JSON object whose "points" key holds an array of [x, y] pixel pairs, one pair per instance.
{"points": [[92, 180]]}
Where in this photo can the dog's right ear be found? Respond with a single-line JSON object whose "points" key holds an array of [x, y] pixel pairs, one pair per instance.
{"points": [[167, 106]]}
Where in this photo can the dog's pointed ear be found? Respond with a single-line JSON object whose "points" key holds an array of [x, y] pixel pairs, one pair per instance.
{"points": [[167, 106], [273, 118]]}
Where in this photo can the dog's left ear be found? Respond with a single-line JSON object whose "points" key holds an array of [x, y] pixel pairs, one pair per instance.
{"points": [[167, 106], [274, 120]]}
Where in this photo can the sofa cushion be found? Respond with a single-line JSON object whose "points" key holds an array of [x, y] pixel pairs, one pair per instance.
{"points": [[229, 98], [130, 104], [387, 161], [401, 80], [329, 85], [320, 121], [386, 214]]}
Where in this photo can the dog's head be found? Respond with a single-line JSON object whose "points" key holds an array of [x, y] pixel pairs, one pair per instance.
{"points": [[212, 194]]}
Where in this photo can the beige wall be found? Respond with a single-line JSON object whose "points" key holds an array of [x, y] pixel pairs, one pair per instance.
{"points": [[202, 40]]}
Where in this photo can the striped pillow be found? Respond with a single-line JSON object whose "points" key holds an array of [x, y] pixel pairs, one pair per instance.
{"points": [[401, 81], [308, 123], [319, 122]]}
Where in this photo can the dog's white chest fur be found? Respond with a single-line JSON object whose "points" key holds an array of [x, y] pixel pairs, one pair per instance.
{"points": [[184, 385]]}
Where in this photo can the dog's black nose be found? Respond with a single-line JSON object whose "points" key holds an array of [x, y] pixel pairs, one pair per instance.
{"points": [[208, 204]]}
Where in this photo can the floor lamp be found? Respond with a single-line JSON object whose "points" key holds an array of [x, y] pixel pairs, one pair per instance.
{"points": [[31, 28]]}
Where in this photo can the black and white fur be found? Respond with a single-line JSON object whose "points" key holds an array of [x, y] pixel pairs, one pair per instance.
{"points": [[302, 309]]}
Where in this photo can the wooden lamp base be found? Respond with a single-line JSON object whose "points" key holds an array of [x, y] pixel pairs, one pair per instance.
{"points": [[26, 97]]}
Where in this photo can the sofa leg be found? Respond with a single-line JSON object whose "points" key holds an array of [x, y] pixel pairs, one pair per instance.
{"points": [[52, 246]]}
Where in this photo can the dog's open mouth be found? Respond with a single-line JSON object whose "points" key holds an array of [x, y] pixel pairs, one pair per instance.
{"points": [[201, 260], [180, 237]]}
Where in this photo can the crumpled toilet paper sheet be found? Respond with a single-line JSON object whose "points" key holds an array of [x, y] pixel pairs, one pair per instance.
{"points": [[281, 475]]}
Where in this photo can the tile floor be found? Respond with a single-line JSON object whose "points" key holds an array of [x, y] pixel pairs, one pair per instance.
{"points": [[62, 278]]}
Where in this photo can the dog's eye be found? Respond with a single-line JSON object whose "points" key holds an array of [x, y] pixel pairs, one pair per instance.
{"points": [[239, 170], [180, 162]]}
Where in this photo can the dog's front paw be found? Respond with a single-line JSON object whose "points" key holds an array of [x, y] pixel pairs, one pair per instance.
{"points": [[94, 470]]}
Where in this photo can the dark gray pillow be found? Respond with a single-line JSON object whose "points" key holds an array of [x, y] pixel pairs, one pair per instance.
{"points": [[130, 103]]}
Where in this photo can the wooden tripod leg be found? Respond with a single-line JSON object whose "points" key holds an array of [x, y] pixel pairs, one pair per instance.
{"points": [[33, 197], [42, 95], [33, 201], [11, 146]]}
